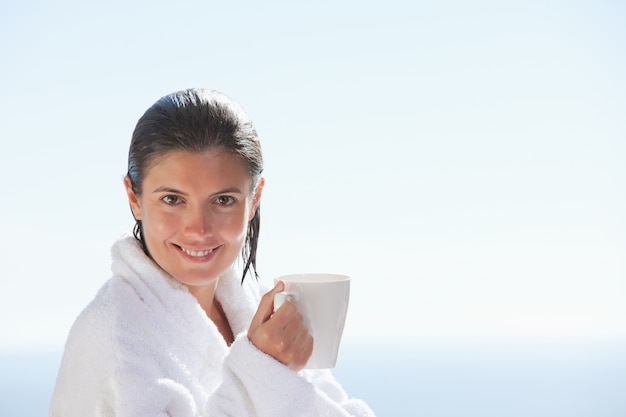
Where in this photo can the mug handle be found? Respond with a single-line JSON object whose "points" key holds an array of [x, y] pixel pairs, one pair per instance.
{"points": [[281, 297]]}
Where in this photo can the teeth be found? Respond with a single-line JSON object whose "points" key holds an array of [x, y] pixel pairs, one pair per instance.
{"points": [[197, 253]]}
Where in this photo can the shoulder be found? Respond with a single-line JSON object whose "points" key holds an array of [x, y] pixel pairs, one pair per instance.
{"points": [[93, 329]]}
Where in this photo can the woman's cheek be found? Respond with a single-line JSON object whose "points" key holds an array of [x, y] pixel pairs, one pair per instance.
{"points": [[166, 224], [234, 227]]}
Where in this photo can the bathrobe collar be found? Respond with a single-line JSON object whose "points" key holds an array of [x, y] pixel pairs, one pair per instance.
{"points": [[239, 301]]}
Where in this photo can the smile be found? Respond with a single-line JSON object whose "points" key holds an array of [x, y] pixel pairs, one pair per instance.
{"points": [[197, 253]]}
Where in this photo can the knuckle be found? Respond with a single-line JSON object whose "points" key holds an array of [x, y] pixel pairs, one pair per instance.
{"points": [[288, 357], [275, 342], [279, 346]]}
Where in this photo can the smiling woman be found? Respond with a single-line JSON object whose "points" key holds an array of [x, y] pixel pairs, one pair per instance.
{"points": [[176, 331], [194, 213], [224, 127]]}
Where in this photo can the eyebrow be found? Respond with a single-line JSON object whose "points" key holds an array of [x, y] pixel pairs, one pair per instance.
{"points": [[230, 190], [168, 190]]}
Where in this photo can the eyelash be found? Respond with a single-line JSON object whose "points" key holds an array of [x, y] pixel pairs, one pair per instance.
{"points": [[173, 200], [167, 200], [231, 200]]}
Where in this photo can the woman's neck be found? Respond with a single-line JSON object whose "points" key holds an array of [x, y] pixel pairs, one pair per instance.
{"points": [[205, 295], [213, 309]]}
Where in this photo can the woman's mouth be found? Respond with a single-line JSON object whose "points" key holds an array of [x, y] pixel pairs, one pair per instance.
{"points": [[198, 254]]}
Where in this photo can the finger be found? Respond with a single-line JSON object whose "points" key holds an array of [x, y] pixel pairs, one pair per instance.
{"points": [[302, 349], [266, 306], [288, 322], [287, 311]]}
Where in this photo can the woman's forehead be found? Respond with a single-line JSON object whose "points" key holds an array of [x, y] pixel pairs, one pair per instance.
{"points": [[211, 166]]}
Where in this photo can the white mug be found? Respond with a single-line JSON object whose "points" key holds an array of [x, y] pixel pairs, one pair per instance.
{"points": [[322, 299]]}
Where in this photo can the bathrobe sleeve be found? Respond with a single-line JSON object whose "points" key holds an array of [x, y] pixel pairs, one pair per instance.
{"points": [[139, 381], [255, 384], [126, 365], [119, 362], [145, 348]]}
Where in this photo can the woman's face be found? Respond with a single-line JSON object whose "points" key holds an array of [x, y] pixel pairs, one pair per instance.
{"points": [[195, 210]]}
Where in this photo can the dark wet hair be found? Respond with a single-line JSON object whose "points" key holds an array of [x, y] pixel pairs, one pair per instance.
{"points": [[197, 120]]}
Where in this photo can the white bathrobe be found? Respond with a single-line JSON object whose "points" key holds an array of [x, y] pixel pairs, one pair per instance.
{"points": [[145, 348]]}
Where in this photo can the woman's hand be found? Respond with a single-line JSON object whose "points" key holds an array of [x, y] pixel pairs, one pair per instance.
{"points": [[281, 333]]}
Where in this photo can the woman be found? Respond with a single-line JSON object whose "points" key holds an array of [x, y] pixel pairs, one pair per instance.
{"points": [[177, 330]]}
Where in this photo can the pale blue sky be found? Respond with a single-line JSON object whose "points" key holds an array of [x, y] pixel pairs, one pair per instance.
{"points": [[464, 163]]}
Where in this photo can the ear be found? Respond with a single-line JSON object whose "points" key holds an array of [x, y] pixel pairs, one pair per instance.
{"points": [[133, 199], [257, 198]]}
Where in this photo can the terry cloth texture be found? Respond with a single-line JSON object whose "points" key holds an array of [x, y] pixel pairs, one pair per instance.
{"points": [[145, 348]]}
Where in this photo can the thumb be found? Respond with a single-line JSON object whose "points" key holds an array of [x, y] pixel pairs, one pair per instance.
{"points": [[266, 306]]}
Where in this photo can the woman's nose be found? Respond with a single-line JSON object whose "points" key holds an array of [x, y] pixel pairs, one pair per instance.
{"points": [[199, 222]]}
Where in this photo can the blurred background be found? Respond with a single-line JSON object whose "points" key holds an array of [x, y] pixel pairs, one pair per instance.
{"points": [[463, 162]]}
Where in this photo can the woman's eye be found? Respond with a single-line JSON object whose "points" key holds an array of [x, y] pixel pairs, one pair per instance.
{"points": [[225, 200], [171, 200]]}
